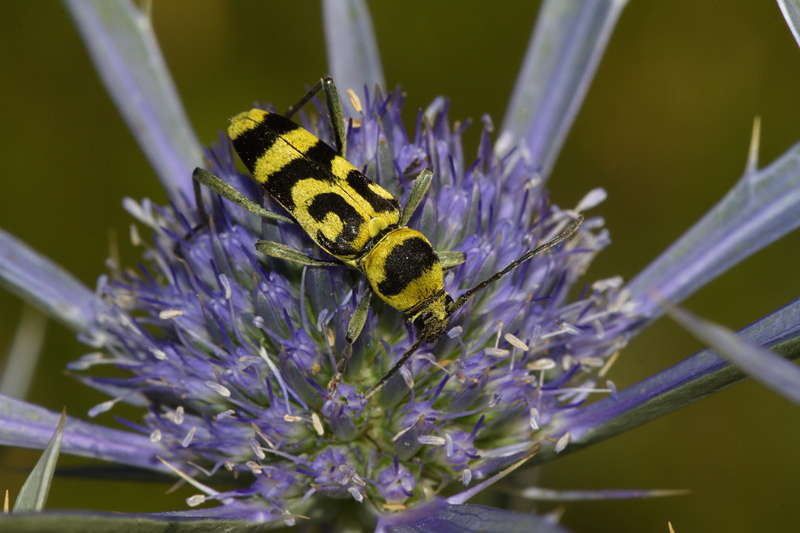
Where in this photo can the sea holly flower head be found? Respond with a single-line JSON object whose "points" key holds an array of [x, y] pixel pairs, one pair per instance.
{"points": [[233, 351]]}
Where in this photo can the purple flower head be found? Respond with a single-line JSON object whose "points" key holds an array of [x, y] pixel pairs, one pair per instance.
{"points": [[233, 351]]}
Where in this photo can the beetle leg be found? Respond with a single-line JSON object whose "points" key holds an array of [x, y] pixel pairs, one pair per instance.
{"points": [[281, 251], [418, 190], [226, 191], [451, 258], [354, 328]]}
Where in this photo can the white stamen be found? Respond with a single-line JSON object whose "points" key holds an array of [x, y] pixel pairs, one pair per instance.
{"points": [[504, 143], [610, 361], [544, 363], [433, 440], [449, 446], [533, 418], [569, 328], [102, 407], [158, 354], [187, 440], [495, 352], [623, 296], [602, 285], [592, 362], [562, 442], [200, 468], [432, 360], [401, 433], [254, 467], [177, 417], [455, 332], [433, 109], [321, 319], [354, 100], [357, 496], [226, 285], [225, 414], [89, 360], [613, 388], [407, 376], [290, 521], [291, 418], [256, 448], [248, 360], [155, 436], [567, 362], [190, 480], [258, 321], [592, 199], [219, 389], [194, 501], [466, 476], [167, 314], [136, 239], [515, 341], [499, 333], [132, 206], [317, 423], [229, 465], [263, 437]]}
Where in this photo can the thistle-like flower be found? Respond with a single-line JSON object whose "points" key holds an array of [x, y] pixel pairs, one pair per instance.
{"points": [[233, 352], [230, 353]]}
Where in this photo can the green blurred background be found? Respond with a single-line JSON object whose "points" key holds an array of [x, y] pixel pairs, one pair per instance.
{"points": [[664, 129]]}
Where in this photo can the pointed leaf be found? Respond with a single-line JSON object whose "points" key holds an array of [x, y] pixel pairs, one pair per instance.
{"points": [[120, 39], [33, 494], [791, 12], [549, 495], [764, 366], [81, 522], [30, 426], [23, 356], [563, 54], [42, 283], [759, 209], [696, 377], [353, 57], [449, 518]]}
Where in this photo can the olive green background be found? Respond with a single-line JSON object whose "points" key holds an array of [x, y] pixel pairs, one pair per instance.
{"points": [[664, 129]]}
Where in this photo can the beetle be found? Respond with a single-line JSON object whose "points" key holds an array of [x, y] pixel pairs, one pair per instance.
{"points": [[353, 219]]}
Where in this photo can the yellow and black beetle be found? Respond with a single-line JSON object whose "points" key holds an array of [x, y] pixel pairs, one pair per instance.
{"points": [[352, 218]]}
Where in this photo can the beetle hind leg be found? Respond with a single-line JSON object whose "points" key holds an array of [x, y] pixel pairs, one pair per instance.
{"points": [[281, 251], [354, 328]]}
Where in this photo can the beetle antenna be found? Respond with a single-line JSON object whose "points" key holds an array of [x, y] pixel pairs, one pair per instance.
{"points": [[459, 303], [395, 369]]}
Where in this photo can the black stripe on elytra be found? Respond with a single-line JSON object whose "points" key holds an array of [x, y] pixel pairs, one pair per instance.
{"points": [[280, 184], [322, 155], [330, 202], [360, 183], [255, 142], [405, 263]]}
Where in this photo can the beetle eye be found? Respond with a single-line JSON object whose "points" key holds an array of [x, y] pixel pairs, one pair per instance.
{"points": [[421, 320]]}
